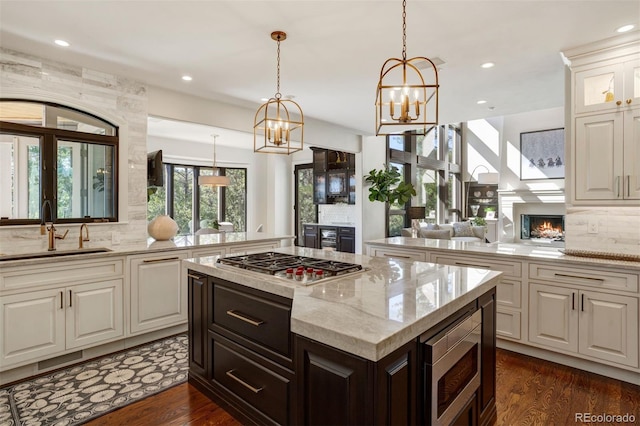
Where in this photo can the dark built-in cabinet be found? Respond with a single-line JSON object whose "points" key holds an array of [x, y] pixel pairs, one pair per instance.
{"points": [[483, 198], [334, 177], [339, 238], [243, 356]]}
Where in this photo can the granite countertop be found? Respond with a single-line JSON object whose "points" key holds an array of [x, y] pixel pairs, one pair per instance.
{"points": [[506, 250], [369, 313], [344, 224], [183, 242]]}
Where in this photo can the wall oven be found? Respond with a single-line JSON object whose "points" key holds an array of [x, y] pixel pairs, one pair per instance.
{"points": [[452, 369]]}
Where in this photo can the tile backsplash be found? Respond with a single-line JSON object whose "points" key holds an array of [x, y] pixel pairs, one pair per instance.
{"points": [[618, 229], [336, 214]]}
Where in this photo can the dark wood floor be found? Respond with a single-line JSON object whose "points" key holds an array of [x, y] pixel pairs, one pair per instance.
{"points": [[529, 392]]}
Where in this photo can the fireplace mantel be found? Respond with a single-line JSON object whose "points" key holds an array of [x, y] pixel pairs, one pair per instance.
{"points": [[514, 202]]}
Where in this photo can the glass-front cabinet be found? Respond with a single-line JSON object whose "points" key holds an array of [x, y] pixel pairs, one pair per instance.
{"points": [[608, 87]]}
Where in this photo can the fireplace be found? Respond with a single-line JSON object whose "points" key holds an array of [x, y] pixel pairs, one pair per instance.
{"points": [[542, 227]]}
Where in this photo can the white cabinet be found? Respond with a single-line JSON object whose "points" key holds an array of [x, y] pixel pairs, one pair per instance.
{"points": [[607, 87], [398, 253], [605, 111], [33, 326], [94, 313], [38, 324], [607, 166], [158, 297], [599, 325]]}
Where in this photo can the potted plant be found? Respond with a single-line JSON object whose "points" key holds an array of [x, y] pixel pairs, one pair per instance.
{"points": [[387, 186]]}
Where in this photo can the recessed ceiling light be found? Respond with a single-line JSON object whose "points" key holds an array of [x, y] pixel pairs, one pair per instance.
{"points": [[625, 28], [488, 65], [62, 43], [187, 78], [481, 102], [264, 99]]}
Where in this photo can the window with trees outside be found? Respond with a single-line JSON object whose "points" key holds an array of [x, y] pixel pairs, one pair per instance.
{"points": [[193, 206], [53, 153], [433, 168]]}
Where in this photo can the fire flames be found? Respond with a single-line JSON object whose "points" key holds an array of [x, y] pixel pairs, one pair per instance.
{"points": [[546, 229]]}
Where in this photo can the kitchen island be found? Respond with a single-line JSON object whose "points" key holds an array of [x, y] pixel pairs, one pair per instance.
{"points": [[358, 348]]}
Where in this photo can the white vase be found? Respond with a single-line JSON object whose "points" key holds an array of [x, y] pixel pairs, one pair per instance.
{"points": [[162, 228]]}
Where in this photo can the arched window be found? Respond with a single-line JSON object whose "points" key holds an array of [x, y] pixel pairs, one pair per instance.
{"points": [[53, 153]]}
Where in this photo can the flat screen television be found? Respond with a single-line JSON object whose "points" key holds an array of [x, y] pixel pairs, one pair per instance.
{"points": [[155, 169]]}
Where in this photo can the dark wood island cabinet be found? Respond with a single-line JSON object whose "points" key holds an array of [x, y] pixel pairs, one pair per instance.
{"points": [[244, 356]]}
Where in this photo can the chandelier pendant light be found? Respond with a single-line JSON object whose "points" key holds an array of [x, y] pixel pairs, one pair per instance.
{"points": [[216, 179], [278, 127], [406, 99]]}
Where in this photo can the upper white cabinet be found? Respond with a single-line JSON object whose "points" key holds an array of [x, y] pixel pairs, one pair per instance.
{"points": [[607, 88], [605, 112]]}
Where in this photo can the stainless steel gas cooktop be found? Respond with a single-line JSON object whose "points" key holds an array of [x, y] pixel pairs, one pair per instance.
{"points": [[298, 268]]}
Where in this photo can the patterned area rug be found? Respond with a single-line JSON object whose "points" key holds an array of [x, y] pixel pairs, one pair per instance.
{"points": [[83, 392]]}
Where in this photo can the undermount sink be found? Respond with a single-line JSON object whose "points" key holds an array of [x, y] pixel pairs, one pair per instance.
{"points": [[55, 253]]}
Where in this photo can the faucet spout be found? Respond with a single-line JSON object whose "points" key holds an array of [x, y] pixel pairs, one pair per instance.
{"points": [[81, 239]]}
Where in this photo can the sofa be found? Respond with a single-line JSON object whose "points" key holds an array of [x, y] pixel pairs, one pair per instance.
{"points": [[456, 231]]}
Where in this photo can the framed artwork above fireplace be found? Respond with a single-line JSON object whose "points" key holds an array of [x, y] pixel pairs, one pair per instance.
{"points": [[542, 154]]}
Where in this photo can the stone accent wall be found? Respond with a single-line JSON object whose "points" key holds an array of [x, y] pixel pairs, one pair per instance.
{"points": [[618, 229], [114, 98]]}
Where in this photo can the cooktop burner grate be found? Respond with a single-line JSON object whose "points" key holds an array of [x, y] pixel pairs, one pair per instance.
{"points": [[273, 263]]}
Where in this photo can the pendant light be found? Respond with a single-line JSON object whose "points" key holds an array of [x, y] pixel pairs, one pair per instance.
{"points": [[404, 99], [215, 179], [278, 127]]}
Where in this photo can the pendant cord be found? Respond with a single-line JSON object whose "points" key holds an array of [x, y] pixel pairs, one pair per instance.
{"points": [[404, 30], [278, 95]]}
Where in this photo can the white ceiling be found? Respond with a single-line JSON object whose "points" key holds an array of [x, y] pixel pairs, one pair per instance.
{"points": [[332, 57]]}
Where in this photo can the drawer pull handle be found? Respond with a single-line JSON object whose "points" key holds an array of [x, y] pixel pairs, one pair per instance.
{"points": [[242, 382], [578, 276], [397, 255], [166, 259], [241, 317], [195, 277], [471, 265]]}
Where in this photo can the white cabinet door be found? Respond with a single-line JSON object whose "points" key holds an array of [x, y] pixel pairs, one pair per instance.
{"points": [[158, 298], [94, 313], [609, 327], [598, 157], [632, 83], [553, 317], [632, 153], [32, 326], [599, 88]]}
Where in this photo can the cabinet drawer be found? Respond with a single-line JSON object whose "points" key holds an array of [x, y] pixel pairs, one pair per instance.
{"points": [[586, 277], [310, 229], [508, 323], [260, 387], [251, 248], [60, 272], [509, 293], [346, 231], [261, 320], [397, 253], [510, 269]]}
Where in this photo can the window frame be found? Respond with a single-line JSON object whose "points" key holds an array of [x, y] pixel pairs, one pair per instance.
{"points": [[48, 137], [195, 211]]}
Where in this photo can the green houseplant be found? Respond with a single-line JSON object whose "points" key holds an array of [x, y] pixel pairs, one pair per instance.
{"points": [[387, 186]]}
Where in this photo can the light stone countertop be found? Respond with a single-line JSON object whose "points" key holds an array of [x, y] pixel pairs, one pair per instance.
{"points": [[370, 313], [505, 250], [182, 242]]}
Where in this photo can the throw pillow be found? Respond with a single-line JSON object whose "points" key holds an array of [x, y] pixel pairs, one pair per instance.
{"points": [[435, 234], [479, 231], [462, 229]]}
